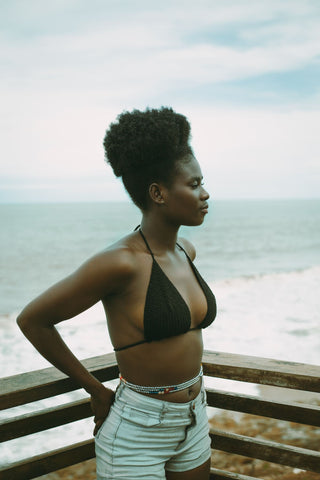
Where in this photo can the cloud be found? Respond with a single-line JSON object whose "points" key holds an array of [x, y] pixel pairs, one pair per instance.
{"points": [[153, 49], [68, 68], [247, 153]]}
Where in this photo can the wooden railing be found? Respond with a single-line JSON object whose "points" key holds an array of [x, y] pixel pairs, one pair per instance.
{"points": [[32, 386]]}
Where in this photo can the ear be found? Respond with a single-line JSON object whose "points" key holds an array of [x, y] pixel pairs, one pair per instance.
{"points": [[156, 193]]}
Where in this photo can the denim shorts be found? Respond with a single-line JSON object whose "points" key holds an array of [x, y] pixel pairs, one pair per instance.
{"points": [[142, 437]]}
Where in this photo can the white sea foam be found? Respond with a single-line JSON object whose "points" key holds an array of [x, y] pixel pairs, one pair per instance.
{"points": [[275, 316]]}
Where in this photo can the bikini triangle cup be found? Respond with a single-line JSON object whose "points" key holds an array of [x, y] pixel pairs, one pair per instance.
{"points": [[166, 313]]}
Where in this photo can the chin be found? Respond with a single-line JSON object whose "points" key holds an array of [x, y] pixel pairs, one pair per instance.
{"points": [[193, 223]]}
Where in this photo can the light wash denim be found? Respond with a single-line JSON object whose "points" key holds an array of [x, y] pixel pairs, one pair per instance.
{"points": [[143, 436]]}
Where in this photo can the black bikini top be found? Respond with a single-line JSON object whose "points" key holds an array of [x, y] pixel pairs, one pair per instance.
{"points": [[166, 313]]}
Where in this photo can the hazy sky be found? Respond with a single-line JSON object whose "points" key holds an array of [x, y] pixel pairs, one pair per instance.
{"points": [[246, 74]]}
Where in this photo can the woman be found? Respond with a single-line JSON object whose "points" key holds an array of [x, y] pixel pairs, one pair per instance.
{"points": [[156, 304]]}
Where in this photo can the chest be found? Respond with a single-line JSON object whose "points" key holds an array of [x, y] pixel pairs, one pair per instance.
{"points": [[175, 301], [177, 278]]}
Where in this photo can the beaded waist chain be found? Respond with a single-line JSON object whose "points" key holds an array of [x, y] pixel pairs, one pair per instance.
{"points": [[164, 389]]}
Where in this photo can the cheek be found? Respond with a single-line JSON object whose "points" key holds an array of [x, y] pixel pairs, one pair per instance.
{"points": [[191, 197], [186, 201]]}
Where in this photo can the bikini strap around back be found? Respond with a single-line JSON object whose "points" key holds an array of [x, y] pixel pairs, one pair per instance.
{"points": [[145, 241]]}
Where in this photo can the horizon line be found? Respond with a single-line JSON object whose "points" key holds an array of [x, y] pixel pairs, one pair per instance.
{"points": [[129, 202]]}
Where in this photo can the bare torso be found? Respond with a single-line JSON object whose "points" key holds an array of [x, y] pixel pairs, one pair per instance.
{"points": [[169, 361]]}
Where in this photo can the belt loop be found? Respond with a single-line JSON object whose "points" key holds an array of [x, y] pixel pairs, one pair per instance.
{"points": [[192, 415], [203, 393], [163, 411], [119, 389]]}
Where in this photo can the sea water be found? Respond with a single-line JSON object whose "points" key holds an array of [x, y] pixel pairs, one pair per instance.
{"points": [[261, 258]]}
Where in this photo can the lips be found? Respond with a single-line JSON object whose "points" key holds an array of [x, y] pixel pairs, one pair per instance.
{"points": [[204, 208]]}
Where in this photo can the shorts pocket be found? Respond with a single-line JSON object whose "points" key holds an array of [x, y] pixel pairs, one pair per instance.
{"points": [[141, 417], [110, 423]]}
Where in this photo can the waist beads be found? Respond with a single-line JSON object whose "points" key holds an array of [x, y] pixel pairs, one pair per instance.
{"points": [[163, 389]]}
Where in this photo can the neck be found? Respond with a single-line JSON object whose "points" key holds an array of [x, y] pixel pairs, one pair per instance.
{"points": [[161, 235]]}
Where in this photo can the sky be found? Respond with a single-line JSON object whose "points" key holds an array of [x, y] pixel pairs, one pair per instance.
{"points": [[245, 73]]}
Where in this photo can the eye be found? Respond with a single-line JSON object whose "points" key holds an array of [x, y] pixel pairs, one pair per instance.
{"points": [[196, 184]]}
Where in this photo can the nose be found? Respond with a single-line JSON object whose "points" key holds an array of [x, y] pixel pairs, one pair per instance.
{"points": [[204, 194]]}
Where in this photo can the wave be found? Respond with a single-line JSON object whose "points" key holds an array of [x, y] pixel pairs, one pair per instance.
{"points": [[281, 275], [274, 315]]}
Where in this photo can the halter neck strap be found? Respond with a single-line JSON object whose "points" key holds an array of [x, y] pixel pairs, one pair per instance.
{"points": [[145, 241], [148, 246]]}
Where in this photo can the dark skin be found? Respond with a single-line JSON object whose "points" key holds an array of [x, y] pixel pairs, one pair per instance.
{"points": [[119, 277]]}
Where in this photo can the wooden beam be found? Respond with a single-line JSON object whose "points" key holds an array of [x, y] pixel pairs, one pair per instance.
{"points": [[48, 462], [291, 412], [61, 415], [217, 474], [28, 387], [32, 386], [264, 371], [49, 418], [265, 450]]}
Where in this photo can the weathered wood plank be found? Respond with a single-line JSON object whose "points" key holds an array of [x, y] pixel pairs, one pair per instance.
{"points": [[34, 422], [263, 371], [286, 455], [292, 412], [48, 462], [32, 386], [265, 450], [217, 474], [52, 417]]}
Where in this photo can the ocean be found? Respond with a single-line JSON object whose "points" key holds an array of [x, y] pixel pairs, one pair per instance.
{"points": [[261, 258]]}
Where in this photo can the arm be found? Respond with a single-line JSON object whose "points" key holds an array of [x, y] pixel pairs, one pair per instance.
{"points": [[105, 274]]}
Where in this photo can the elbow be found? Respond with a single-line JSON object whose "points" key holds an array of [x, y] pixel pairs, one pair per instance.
{"points": [[30, 322], [25, 321], [22, 322]]}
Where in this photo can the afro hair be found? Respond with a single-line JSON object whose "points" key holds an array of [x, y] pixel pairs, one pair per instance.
{"points": [[143, 146]]}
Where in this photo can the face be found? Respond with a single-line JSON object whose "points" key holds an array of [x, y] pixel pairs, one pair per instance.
{"points": [[185, 200]]}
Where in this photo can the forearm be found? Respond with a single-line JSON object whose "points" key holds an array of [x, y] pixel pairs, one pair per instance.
{"points": [[49, 343]]}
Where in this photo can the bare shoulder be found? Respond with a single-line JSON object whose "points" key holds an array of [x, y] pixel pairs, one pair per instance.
{"points": [[115, 265], [188, 246], [107, 273]]}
